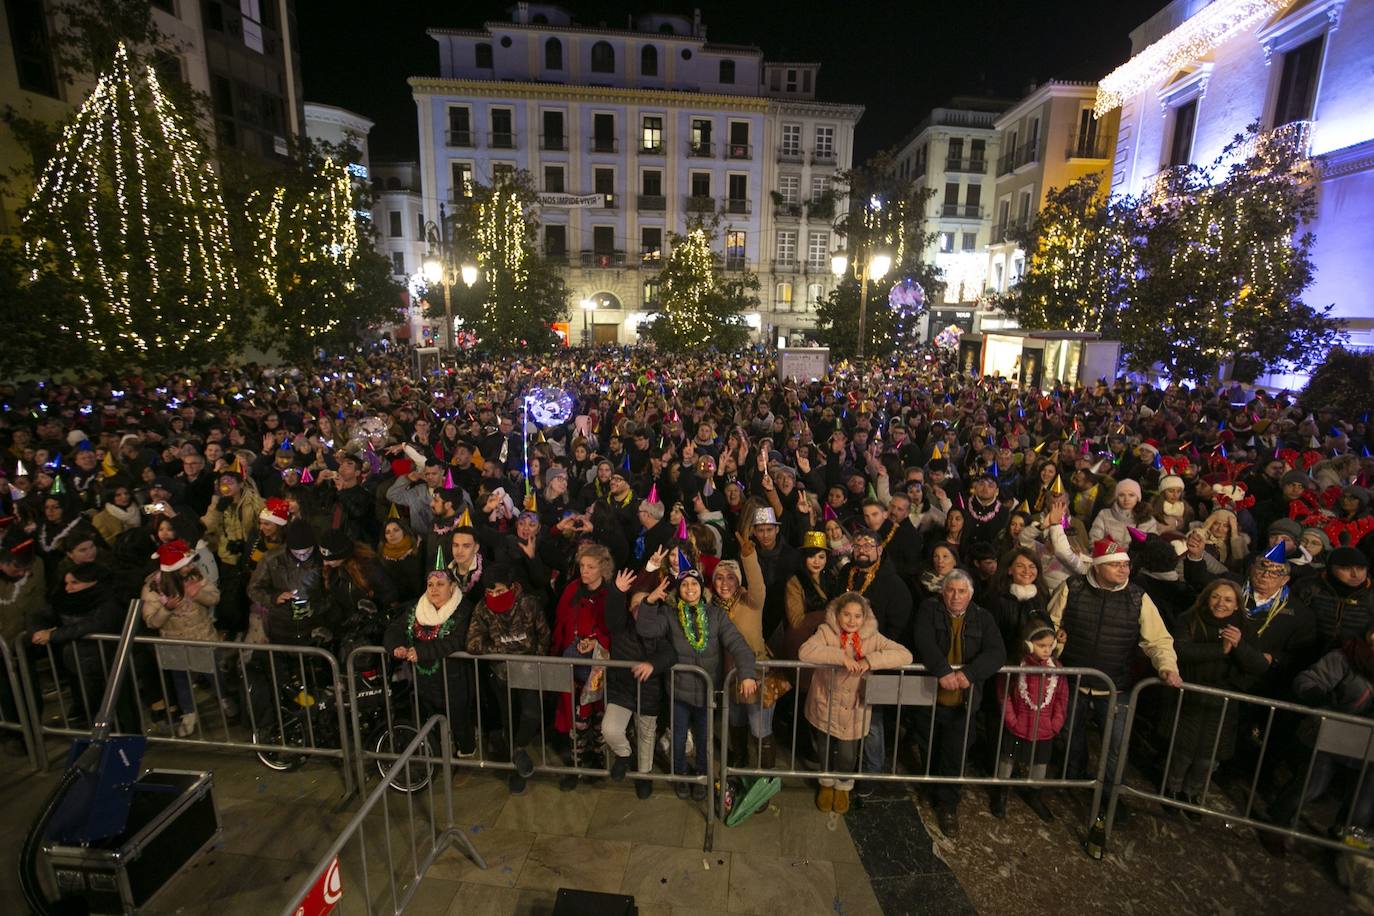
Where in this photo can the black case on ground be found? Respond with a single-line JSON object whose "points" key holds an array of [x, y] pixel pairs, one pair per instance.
{"points": [[570, 902]]}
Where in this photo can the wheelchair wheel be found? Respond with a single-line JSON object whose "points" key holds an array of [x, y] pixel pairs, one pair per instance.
{"points": [[415, 775]]}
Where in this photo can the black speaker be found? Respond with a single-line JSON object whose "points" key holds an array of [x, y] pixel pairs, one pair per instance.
{"points": [[571, 902]]}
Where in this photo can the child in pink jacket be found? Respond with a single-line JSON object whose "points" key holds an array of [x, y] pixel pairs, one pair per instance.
{"points": [[848, 638], [1032, 716]]}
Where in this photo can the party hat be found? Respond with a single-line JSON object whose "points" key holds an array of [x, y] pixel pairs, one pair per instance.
{"points": [[653, 494], [107, 465], [682, 530], [306, 477], [393, 512], [1058, 486], [1136, 534], [439, 564], [21, 471], [465, 520], [828, 514], [285, 445], [1278, 553], [1024, 507], [448, 480], [684, 563], [57, 488]]}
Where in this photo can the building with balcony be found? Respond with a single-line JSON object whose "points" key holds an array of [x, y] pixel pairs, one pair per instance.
{"points": [[1201, 72], [954, 152], [1049, 139], [629, 133]]}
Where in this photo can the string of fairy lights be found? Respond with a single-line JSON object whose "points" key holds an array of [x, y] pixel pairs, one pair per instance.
{"points": [[687, 281]]}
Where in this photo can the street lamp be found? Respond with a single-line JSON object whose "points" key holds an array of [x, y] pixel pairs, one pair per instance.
{"points": [[875, 268], [437, 265], [588, 306]]}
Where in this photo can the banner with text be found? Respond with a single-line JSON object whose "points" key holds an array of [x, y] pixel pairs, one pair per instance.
{"points": [[572, 201]]}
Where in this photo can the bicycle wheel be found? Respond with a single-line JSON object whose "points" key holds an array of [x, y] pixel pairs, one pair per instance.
{"points": [[291, 733], [415, 775]]}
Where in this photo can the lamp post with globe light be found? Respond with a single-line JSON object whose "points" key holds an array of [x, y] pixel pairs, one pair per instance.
{"points": [[874, 267], [437, 268], [588, 306]]}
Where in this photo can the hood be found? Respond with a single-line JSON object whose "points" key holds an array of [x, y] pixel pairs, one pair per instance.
{"points": [[867, 629]]}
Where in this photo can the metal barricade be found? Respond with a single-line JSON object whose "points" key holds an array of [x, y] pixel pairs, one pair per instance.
{"points": [[290, 705], [1318, 743], [519, 696], [14, 710], [930, 727], [348, 864]]}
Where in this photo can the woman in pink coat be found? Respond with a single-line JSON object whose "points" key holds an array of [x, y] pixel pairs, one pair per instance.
{"points": [[848, 639], [1033, 712]]}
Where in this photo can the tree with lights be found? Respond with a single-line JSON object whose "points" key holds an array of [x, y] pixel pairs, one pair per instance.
{"points": [[701, 308], [128, 234], [518, 295], [1082, 265], [316, 281]]}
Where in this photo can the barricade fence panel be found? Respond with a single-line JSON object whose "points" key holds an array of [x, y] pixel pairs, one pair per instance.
{"points": [[284, 703], [14, 711], [1250, 760], [378, 860], [956, 735]]}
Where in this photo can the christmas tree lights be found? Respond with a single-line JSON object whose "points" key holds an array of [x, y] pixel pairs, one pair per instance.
{"points": [[129, 214]]}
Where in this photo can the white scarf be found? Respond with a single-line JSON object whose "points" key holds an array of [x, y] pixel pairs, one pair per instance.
{"points": [[1022, 592], [127, 517], [427, 615]]}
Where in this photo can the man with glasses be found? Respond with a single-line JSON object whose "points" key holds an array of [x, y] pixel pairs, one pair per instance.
{"points": [[1102, 618]]}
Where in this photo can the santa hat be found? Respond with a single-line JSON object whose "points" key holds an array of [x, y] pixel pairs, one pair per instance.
{"points": [[277, 511], [1170, 482], [1150, 445], [1108, 551], [173, 555]]}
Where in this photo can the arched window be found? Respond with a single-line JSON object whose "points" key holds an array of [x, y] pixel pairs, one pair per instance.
{"points": [[553, 54], [482, 53], [648, 61], [782, 297], [603, 58]]}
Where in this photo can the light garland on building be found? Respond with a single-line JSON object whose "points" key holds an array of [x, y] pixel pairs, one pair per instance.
{"points": [[689, 278], [1197, 37], [130, 208]]}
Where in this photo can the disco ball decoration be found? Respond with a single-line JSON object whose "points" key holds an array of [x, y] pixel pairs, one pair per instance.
{"points": [[549, 406], [906, 294]]}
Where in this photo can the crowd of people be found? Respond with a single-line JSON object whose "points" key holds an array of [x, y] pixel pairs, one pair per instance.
{"points": [[703, 511]]}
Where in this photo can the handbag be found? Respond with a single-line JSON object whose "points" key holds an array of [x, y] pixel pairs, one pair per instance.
{"points": [[772, 685]]}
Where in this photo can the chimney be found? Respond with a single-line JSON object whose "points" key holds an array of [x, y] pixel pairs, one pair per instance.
{"points": [[696, 21]]}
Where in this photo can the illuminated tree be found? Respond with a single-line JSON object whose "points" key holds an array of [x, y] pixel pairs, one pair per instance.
{"points": [[127, 229], [701, 308]]}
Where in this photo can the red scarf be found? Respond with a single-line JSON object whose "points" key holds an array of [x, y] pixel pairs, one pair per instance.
{"points": [[846, 638], [502, 603]]}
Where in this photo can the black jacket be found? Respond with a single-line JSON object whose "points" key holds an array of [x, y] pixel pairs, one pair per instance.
{"points": [[1103, 627], [889, 596], [627, 645], [983, 650], [1339, 613], [1012, 614]]}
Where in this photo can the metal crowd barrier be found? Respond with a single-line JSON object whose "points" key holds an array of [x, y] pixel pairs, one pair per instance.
{"points": [[912, 688], [1325, 739], [348, 864], [371, 671], [291, 701], [14, 711]]}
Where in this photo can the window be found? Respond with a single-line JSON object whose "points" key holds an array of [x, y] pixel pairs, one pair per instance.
{"points": [[820, 186], [789, 188], [603, 239], [603, 182], [791, 80], [791, 141], [1298, 82], [502, 172], [970, 241], [786, 249], [398, 263], [701, 137], [734, 249], [462, 179], [553, 137], [978, 149], [553, 179], [553, 54], [1181, 143], [459, 126], [393, 224], [825, 144], [806, 81], [737, 192], [701, 184], [420, 226], [603, 133], [651, 140], [648, 61], [739, 140], [818, 250], [1033, 137], [951, 194], [946, 241], [251, 24], [502, 132], [481, 53], [782, 297], [555, 241], [998, 270], [651, 242], [28, 23], [727, 72], [651, 293], [956, 151], [603, 58], [1086, 144], [815, 293], [651, 183], [168, 67], [973, 196]]}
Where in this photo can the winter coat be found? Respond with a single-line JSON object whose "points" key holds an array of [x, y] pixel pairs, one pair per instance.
{"points": [[72, 616], [982, 644], [1042, 721], [660, 621], [746, 613], [431, 652], [1202, 661], [1339, 613], [581, 614], [627, 645], [835, 702], [889, 597], [279, 572], [1337, 684], [20, 599], [407, 575], [190, 619], [1112, 522], [1012, 615], [228, 528], [522, 630]]}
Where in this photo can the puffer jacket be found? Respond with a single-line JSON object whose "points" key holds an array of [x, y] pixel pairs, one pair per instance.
{"points": [[523, 630], [1338, 614], [835, 701], [190, 619], [1049, 693], [660, 621]]}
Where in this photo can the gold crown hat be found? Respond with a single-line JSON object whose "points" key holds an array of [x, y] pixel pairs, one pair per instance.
{"points": [[813, 540]]}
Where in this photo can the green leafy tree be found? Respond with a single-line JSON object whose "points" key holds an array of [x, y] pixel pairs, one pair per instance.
{"points": [[518, 295], [1082, 268], [1343, 384], [701, 307], [128, 234]]}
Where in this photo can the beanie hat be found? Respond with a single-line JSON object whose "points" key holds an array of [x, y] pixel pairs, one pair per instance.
{"points": [[728, 566], [336, 545], [1106, 550], [277, 511], [1288, 527], [1347, 557], [1320, 535], [173, 555], [1128, 486], [1295, 477], [1170, 482], [299, 536]]}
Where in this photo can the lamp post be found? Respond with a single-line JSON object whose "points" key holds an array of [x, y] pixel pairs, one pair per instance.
{"points": [[438, 265], [874, 267], [588, 306]]}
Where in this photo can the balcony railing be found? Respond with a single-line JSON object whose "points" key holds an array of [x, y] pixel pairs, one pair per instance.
{"points": [[696, 204], [977, 166], [790, 154], [823, 157], [737, 205], [500, 139], [605, 145], [1092, 145], [651, 202], [739, 151], [699, 150], [1003, 232], [603, 260], [651, 260], [654, 149], [786, 266], [787, 211], [821, 209], [554, 142], [458, 137], [735, 262], [961, 211], [558, 257]]}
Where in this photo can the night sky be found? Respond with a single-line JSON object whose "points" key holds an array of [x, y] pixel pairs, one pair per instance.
{"points": [[898, 59]]}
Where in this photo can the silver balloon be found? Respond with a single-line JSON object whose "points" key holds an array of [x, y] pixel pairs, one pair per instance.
{"points": [[549, 406]]}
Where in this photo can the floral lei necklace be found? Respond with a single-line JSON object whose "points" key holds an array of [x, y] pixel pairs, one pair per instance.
{"points": [[427, 634], [1051, 682], [18, 587], [49, 545], [693, 625], [984, 518]]}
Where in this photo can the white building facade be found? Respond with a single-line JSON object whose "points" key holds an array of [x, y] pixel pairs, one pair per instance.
{"points": [[640, 130], [398, 215], [1200, 72]]}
